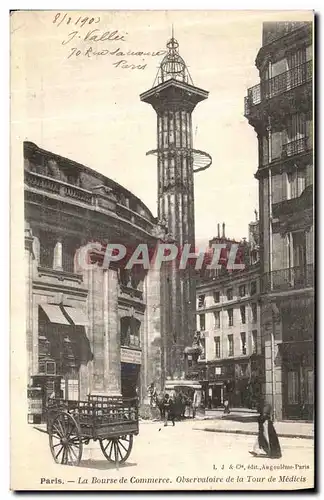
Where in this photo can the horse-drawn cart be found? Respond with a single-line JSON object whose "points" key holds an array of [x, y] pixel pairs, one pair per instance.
{"points": [[113, 421]]}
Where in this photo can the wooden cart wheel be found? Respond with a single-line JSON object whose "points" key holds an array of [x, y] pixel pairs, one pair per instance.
{"points": [[117, 450], [65, 440]]}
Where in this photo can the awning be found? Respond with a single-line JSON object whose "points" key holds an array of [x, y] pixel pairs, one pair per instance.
{"points": [[77, 316], [54, 314]]}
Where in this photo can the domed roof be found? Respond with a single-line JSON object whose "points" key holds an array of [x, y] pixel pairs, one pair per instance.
{"points": [[172, 65]]}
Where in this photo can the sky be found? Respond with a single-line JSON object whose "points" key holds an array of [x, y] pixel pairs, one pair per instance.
{"points": [[87, 108]]}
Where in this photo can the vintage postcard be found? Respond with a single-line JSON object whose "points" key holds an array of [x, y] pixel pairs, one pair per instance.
{"points": [[162, 250]]}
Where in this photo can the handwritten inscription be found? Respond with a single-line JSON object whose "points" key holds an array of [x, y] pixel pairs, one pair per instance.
{"points": [[96, 36], [91, 52], [80, 21], [97, 42]]}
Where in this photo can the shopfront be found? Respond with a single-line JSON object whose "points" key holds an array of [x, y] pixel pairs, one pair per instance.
{"points": [[238, 381], [62, 347], [297, 361], [298, 380]]}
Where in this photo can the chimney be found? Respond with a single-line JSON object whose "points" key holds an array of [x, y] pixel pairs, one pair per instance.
{"points": [[218, 230], [223, 235]]}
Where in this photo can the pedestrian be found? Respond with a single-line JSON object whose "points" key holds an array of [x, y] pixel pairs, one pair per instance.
{"points": [[267, 443], [195, 404], [169, 410], [226, 407]]}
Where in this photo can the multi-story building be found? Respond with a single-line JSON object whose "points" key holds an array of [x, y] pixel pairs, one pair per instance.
{"points": [[89, 329], [280, 108], [228, 322]]}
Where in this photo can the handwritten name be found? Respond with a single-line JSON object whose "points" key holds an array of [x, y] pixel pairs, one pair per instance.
{"points": [[97, 36]]}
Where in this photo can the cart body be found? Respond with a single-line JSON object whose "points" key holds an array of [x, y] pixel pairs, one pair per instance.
{"points": [[113, 421]]}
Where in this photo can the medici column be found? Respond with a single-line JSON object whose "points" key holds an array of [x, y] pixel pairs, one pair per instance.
{"points": [[174, 99]]}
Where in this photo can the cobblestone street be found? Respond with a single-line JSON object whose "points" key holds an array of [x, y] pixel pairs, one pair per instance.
{"points": [[176, 458]]}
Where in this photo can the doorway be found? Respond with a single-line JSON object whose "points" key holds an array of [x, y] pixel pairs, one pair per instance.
{"points": [[130, 380]]}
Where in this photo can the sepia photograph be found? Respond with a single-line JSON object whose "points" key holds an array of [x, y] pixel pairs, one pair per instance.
{"points": [[162, 250]]}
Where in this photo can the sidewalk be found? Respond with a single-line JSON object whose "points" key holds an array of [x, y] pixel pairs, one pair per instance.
{"points": [[300, 430]]}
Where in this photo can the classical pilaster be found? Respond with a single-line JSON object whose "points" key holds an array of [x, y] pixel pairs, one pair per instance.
{"points": [[272, 334], [112, 367], [31, 353], [151, 370]]}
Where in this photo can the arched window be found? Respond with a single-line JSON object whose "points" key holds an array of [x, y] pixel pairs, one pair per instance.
{"points": [[130, 331]]}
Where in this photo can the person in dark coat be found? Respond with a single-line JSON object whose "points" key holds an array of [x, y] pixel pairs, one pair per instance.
{"points": [[267, 443], [169, 409]]}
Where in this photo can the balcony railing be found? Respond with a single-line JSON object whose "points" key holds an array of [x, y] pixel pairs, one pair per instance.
{"points": [[58, 187], [293, 278], [295, 147], [277, 85]]}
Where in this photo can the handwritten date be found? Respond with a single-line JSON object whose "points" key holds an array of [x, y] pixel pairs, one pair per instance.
{"points": [[81, 21]]}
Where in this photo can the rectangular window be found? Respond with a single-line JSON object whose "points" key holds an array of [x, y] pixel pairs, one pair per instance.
{"points": [[216, 296], [293, 388], [230, 345], [254, 341], [230, 317], [309, 389], [242, 290], [296, 58], [254, 309], [130, 331], [68, 251], [47, 243], [242, 311], [217, 347], [243, 343], [253, 287], [277, 139], [291, 185], [229, 294], [296, 183], [217, 319], [278, 67], [202, 322], [296, 129], [201, 300], [203, 347]]}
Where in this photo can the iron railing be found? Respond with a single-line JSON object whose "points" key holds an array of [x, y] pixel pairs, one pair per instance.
{"points": [[295, 147], [292, 278], [277, 85]]}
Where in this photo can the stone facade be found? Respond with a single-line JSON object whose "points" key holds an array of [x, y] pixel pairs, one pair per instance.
{"points": [[280, 110], [229, 325], [99, 333]]}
